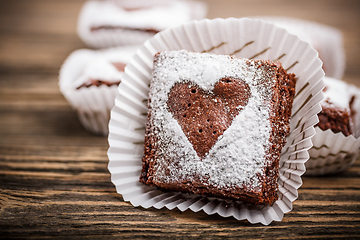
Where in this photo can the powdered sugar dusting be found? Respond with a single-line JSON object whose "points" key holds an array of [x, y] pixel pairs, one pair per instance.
{"points": [[337, 93], [149, 16], [99, 65], [238, 156]]}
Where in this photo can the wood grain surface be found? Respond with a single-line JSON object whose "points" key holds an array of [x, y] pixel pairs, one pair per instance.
{"points": [[54, 181]]}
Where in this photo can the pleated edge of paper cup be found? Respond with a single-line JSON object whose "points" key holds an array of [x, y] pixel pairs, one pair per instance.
{"points": [[323, 160]]}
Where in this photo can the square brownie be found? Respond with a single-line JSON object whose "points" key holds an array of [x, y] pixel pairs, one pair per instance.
{"points": [[216, 125]]}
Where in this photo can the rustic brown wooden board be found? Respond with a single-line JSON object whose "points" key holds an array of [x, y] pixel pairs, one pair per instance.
{"points": [[54, 181]]}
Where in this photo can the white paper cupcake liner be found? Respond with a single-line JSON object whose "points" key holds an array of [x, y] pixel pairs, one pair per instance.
{"points": [[241, 37], [92, 104], [332, 153], [104, 38], [328, 41]]}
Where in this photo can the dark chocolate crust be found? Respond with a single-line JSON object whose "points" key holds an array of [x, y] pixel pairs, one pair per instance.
{"points": [[280, 107], [336, 119], [97, 83], [280, 122], [108, 27]]}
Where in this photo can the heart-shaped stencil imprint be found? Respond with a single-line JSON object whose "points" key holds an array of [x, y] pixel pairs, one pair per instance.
{"points": [[204, 116]]}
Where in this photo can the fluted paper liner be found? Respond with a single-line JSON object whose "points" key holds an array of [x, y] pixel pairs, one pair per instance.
{"points": [[328, 41], [332, 153], [240, 37], [92, 104]]}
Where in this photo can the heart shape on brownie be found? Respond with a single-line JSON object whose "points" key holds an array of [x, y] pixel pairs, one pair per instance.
{"points": [[205, 116]]}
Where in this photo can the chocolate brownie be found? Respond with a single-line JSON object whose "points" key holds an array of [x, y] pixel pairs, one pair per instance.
{"points": [[335, 118], [216, 125], [337, 112], [97, 83], [106, 27]]}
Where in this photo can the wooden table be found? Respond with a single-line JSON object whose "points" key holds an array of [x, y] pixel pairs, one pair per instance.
{"points": [[54, 180]]}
